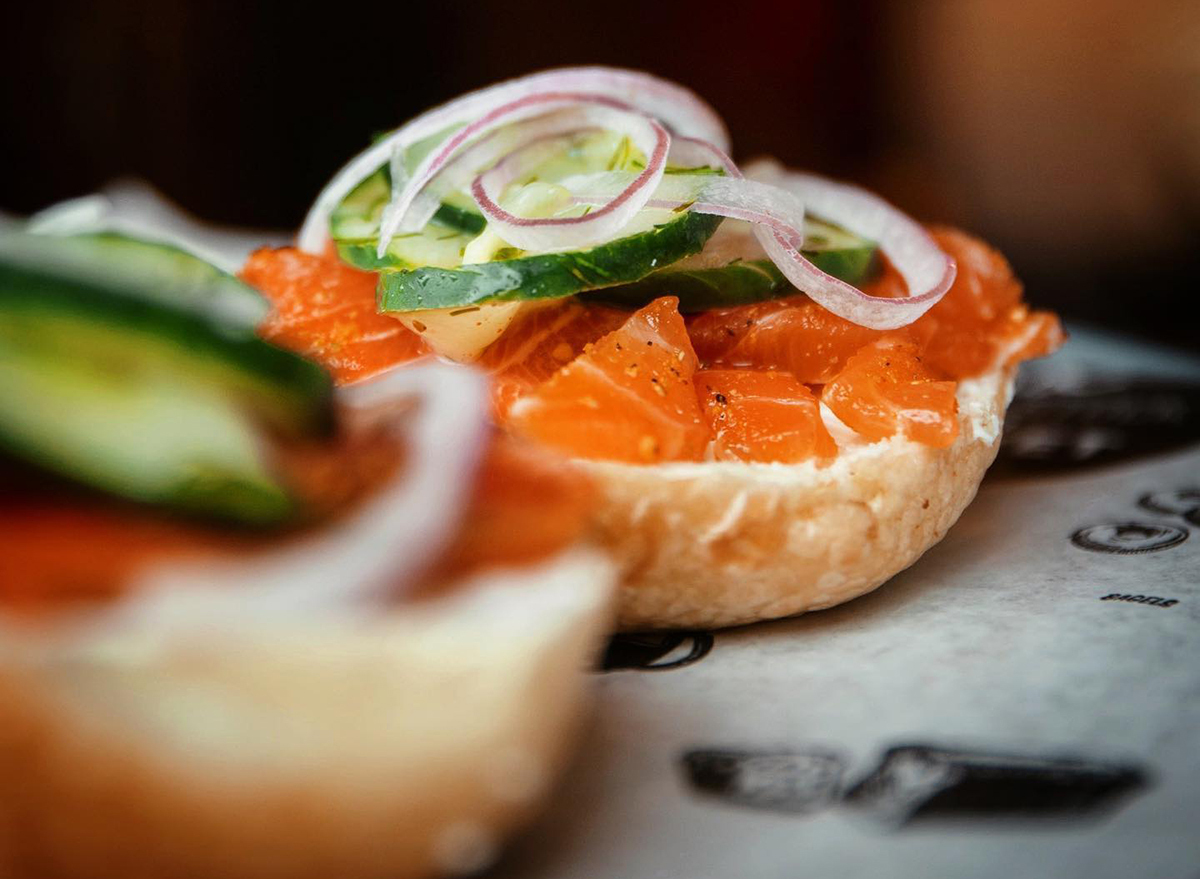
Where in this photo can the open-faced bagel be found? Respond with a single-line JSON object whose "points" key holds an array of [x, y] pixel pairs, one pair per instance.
{"points": [[723, 543], [406, 744]]}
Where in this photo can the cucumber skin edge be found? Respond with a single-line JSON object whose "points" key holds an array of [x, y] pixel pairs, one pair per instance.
{"points": [[733, 285], [546, 276], [303, 387]]}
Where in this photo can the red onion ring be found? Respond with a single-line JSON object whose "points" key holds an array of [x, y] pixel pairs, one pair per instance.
{"points": [[560, 233], [371, 555], [926, 270], [679, 109], [732, 197], [459, 170], [597, 111], [779, 226], [528, 107]]}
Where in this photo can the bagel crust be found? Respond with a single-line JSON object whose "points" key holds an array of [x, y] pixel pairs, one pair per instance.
{"points": [[406, 745], [704, 545]]}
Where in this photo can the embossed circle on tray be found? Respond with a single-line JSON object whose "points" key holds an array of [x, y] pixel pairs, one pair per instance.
{"points": [[1128, 538]]}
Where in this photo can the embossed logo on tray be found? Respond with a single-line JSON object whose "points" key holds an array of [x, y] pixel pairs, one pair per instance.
{"points": [[915, 783]]}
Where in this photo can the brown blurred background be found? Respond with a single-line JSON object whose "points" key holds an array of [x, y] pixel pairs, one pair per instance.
{"points": [[1065, 131]]}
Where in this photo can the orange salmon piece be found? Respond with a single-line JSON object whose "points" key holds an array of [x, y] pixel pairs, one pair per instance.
{"points": [[984, 287], [794, 335], [58, 552], [539, 343], [886, 389], [762, 416], [1027, 335], [627, 397], [980, 323], [324, 309], [526, 506]]}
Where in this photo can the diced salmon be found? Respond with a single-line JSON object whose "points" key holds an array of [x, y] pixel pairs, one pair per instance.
{"points": [[70, 550], [526, 506], [539, 343], [795, 335], [324, 309], [628, 397], [762, 416], [971, 329], [886, 389]]}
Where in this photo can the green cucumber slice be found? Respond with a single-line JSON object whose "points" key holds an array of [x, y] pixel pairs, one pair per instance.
{"points": [[733, 271], [354, 223], [354, 226], [424, 270], [121, 387], [735, 283], [157, 270], [550, 275], [150, 440]]}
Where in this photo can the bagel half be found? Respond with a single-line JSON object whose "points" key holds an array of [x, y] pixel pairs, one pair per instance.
{"points": [[400, 746], [703, 545]]}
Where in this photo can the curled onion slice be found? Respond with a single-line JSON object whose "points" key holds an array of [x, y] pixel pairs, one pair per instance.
{"points": [[677, 108], [457, 173], [776, 204], [595, 111], [732, 197], [561, 233], [373, 553], [926, 270]]}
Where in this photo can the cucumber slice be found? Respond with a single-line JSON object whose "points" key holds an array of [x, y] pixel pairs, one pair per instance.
{"points": [[146, 438], [354, 224], [125, 389], [550, 275], [424, 270], [156, 270], [459, 213], [732, 270], [736, 283]]}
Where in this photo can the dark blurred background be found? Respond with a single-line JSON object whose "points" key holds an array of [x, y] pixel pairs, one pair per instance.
{"points": [[1067, 132]]}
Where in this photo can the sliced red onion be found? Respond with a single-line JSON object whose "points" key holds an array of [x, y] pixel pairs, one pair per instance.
{"points": [[398, 168], [732, 197], [372, 554], [926, 270], [458, 172], [595, 111], [564, 233], [776, 205], [679, 109]]}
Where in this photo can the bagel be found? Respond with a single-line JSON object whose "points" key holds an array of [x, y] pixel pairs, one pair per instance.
{"points": [[404, 745], [786, 389], [251, 626], [722, 543]]}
